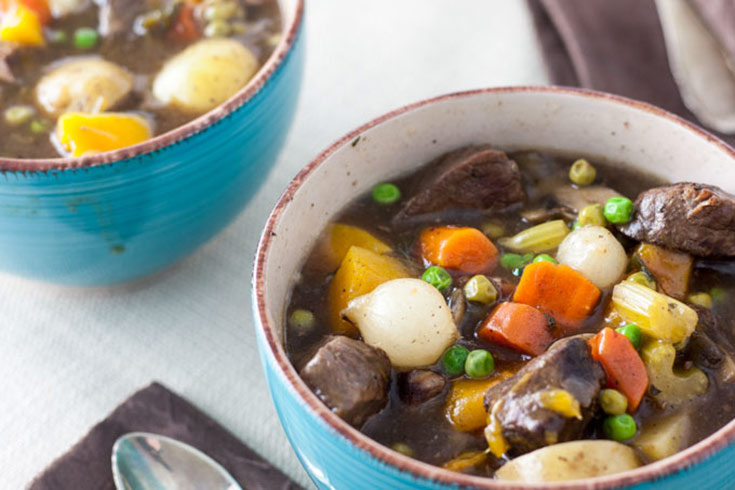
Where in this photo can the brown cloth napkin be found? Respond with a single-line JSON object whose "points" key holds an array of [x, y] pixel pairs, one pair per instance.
{"points": [[617, 47], [156, 409]]}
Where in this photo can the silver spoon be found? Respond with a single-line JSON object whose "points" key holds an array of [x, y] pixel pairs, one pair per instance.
{"points": [[144, 461]]}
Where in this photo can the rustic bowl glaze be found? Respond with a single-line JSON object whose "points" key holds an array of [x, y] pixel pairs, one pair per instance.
{"points": [[124, 214], [336, 455]]}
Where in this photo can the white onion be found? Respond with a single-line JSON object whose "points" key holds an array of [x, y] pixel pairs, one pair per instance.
{"points": [[407, 318], [594, 251]]}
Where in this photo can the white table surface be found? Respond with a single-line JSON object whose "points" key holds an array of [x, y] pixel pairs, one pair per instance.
{"points": [[68, 356]]}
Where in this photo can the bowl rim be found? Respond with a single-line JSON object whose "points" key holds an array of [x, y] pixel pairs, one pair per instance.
{"points": [[240, 98], [417, 469]]}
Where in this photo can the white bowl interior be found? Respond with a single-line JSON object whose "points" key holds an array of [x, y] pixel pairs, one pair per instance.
{"points": [[288, 11], [521, 119]]}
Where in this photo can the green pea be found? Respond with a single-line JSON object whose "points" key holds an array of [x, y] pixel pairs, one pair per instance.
{"points": [[613, 402], [700, 299], [515, 262], [545, 258], [480, 289], [238, 28], [493, 230], [643, 279], [479, 364], [217, 28], [576, 225], [57, 36], [403, 448], [618, 210], [619, 427], [386, 193], [39, 126], [86, 38], [302, 320], [718, 295], [437, 277], [220, 11], [454, 359], [633, 332], [591, 215], [582, 172], [19, 114]]}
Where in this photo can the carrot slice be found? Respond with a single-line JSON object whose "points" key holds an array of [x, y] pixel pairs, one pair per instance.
{"points": [[624, 368], [559, 291], [185, 27], [464, 249], [519, 327], [41, 8]]}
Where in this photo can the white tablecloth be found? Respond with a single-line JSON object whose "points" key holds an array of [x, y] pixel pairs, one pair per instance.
{"points": [[68, 357]]}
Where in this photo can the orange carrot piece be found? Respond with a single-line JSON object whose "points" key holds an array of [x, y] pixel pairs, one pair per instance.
{"points": [[624, 368], [40, 8], [185, 27], [464, 249], [519, 327], [559, 291]]}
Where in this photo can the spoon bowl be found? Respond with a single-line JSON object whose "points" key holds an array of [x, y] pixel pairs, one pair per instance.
{"points": [[145, 461]]}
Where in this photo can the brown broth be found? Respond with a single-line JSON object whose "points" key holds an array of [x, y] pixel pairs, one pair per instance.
{"points": [[424, 428], [142, 55]]}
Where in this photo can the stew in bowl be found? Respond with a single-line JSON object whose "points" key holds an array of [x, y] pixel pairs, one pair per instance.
{"points": [[486, 311], [79, 77], [414, 343]]}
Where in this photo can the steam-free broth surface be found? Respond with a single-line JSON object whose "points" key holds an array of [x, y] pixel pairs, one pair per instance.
{"points": [[142, 37], [424, 430]]}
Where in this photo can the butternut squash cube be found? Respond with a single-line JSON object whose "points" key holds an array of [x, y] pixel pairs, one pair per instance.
{"points": [[21, 25], [361, 271], [341, 237], [83, 134]]}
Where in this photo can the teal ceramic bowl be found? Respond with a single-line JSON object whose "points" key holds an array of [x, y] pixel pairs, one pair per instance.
{"points": [[335, 454], [121, 215]]}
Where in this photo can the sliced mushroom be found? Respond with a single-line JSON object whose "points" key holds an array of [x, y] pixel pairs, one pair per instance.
{"points": [[574, 198]]}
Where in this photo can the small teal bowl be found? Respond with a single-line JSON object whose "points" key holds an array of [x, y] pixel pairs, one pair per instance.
{"points": [[121, 215], [558, 119]]}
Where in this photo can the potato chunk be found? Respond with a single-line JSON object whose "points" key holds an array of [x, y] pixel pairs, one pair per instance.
{"points": [[204, 75], [88, 84], [570, 461], [662, 438], [407, 318]]}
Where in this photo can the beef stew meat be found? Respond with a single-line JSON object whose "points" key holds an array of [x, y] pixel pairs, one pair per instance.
{"points": [[79, 77], [473, 177], [695, 218], [515, 309], [350, 377], [525, 407]]}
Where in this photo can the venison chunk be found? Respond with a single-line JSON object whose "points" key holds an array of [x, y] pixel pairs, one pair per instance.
{"points": [[420, 385], [475, 177], [117, 17], [6, 51], [694, 218], [350, 377], [527, 423]]}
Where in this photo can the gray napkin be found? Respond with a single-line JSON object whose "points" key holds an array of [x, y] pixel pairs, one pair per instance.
{"points": [[618, 47], [158, 410]]}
